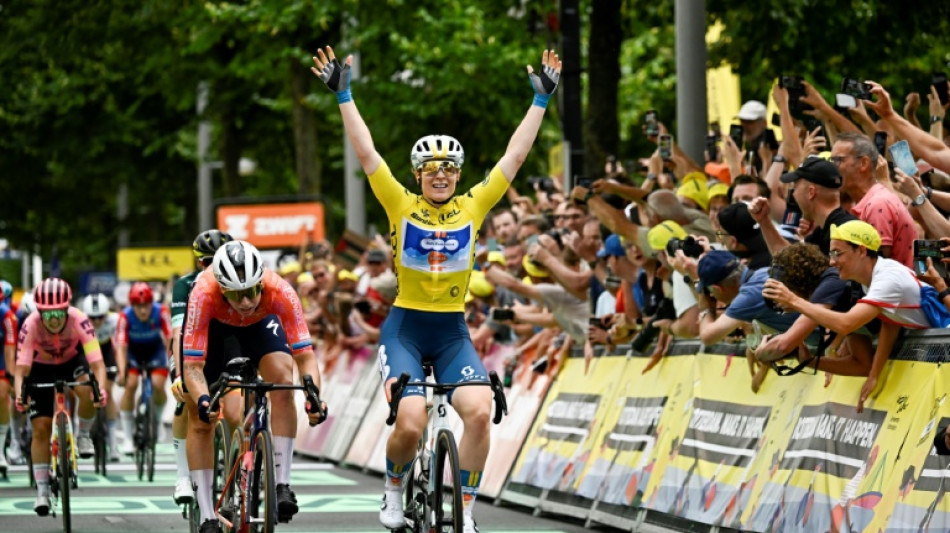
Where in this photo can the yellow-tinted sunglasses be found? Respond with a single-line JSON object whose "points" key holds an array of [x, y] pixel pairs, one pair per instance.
{"points": [[432, 167], [250, 293]]}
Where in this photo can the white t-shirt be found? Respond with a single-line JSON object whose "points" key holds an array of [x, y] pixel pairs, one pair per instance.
{"points": [[894, 288], [683, 297], [606, 305]]}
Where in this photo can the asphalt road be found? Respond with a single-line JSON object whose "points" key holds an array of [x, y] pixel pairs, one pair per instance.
{"points": [[332, 499]]}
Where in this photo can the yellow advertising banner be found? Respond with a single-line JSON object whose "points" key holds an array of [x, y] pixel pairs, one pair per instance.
{"points": [[562, 437], [154, 264], [723, 92]]}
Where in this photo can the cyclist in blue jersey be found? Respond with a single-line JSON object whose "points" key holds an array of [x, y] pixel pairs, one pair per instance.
{"points": [[433, 244], [141, 337]]}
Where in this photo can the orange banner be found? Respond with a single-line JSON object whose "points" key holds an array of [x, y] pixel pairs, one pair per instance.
{"points": [[273, 225]]}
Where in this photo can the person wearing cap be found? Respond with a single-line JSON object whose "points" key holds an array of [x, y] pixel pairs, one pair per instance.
{"points": [[742, 235], [856, 158], [684, 301], [722, 277], [694, 193], [376, 265], [892, 292], [752, 115], [718, 199], [814, 186]]}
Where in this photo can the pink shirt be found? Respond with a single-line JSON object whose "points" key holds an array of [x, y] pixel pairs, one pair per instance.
{"points": [[882, 209], [37, 345]]}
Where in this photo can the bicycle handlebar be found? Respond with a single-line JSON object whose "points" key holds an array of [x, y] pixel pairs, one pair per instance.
{"points": [[96, 394], [227, 383], [399, 386]]}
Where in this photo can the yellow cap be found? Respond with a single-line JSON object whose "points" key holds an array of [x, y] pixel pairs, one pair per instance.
{"points": [[718, 189], [661, 234], [479, 286], [345, 274], [305, 277], [496, 257], [694, 187], [857, 232], [292, 266], [527, 280], [826, 155], [533, 269]]}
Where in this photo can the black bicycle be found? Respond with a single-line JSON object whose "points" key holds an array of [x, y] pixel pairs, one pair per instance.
{"points": [[433, 487], [146, 426], [248, 502], [100, 434]]}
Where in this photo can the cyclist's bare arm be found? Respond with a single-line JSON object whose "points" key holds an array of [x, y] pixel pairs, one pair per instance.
{"points": [[307, 364], [194, 376]]}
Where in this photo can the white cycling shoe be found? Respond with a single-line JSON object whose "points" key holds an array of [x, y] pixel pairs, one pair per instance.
{"points": [[183, 491], [391, 513], [468, 524]]}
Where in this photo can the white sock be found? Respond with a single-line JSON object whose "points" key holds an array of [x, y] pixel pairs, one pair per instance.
{"points": [[283, 457], [110, 434], [128, 422], [41, 475], [85, 424], [202, 478], [181, 457]]}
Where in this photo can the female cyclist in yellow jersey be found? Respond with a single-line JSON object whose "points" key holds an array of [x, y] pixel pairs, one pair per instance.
{"points": [[433, 253]]}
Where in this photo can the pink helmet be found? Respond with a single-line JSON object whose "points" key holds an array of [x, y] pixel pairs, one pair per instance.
{"points": [[52, 293], [141, 293]]}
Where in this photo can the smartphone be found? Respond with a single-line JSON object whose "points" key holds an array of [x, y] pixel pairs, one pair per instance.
{"points": [[531, 240], [492, 244], [931, 249], [666, 147], [583, 181], [712, 149], [597, 323], [768, 137], [857, 89], [363, 307], [796, 90], [735, 131], [900, 154], [776, 120], [845, 101], [939, 81], [499, 314], [880, 141], [651, 123]]}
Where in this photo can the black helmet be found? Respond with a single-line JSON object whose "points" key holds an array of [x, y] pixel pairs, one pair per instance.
{"points": [[208, 242]]}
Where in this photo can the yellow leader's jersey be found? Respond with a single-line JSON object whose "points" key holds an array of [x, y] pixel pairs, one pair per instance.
{"points": [[434, 247]]}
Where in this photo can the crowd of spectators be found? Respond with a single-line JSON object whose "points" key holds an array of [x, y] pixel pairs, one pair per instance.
{"points": [[809, 248]]}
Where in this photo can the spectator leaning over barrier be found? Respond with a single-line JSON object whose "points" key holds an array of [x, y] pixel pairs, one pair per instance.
{"points": [[857, 158], [722, 277], [815, 187], [686, 323], [806, 272], [892, 293]]}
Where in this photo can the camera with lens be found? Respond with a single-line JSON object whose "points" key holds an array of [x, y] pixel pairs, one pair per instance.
{"points": [[541, 183], [650, 331], [690, 247], [777, 273]]}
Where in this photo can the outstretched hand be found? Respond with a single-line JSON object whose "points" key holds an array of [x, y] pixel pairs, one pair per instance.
{"points": [[545, 83], [334, 73]]}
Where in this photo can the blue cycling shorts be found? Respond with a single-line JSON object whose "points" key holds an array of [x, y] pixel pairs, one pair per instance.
{"points": [[410, 337], [141, 355]]}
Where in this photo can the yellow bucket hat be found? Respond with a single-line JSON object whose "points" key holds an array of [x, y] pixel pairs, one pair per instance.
{"points": [[694, 187], [857, 232]]}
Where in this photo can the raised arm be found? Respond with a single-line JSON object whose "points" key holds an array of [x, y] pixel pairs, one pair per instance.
{"points": [[520, 144], [921, 143], [337, 77]]}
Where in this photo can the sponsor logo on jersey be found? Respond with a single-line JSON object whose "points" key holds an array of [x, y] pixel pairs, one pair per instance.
{"points": [[435, 250]]}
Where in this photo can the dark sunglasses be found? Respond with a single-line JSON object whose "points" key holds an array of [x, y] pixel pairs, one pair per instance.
{"points": [[55, 314], [250, 293]]}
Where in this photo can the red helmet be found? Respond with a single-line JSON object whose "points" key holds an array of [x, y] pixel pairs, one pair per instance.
{"points": [[52, 293], [141, 293]]}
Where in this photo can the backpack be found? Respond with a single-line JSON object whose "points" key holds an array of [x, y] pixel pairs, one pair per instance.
{"points": [[930, 304]]}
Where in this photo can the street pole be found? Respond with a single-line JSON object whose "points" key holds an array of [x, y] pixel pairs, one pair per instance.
{"points": [[354, 184], [690, 18], [204, 166], [571, 116]]}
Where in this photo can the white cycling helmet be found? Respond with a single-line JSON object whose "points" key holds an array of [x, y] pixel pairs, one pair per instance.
{"points": [[27, 304], [237, 266], [437, 147], [95, 305]]}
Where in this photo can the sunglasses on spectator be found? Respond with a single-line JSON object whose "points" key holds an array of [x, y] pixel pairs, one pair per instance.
{"points": [[250, 293], [54, 314], [433, 167]]}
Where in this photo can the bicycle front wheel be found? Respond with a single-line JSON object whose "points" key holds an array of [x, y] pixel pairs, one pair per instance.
{"points": [[233, 498], [446, 510], [262, 493], [151, 418], [99, 442], [65, 468]]}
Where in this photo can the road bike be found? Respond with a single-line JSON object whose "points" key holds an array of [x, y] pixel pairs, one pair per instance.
{"points": [[433, 486], [64, 473], [146, 426], [100, 434], [248, 502]]}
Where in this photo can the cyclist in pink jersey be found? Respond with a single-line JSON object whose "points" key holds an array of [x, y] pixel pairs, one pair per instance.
{"points": [[239, 298], [56, 343]]}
